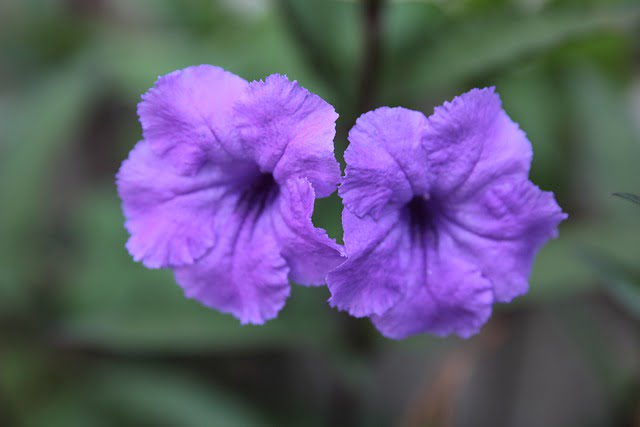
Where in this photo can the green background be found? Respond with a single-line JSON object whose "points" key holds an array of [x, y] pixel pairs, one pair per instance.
{"points": [[90, 338]]}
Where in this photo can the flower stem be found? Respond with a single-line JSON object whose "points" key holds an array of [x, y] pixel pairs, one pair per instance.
{"points": [[371, 59]]}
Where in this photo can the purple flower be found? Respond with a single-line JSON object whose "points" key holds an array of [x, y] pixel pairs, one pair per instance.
{"points": [[440, 218], [221, 188]]}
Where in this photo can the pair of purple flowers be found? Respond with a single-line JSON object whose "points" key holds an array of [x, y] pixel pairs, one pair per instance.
{"points": [[440, 218]]}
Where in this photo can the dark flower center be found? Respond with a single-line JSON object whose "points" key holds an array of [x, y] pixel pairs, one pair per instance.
{"points": [[264, 184], [260, 193], [422, 215]]}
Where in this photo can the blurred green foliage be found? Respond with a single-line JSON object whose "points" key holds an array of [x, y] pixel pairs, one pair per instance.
{"points": [[88, 337]]}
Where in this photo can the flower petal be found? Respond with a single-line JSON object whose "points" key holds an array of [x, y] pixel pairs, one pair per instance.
{"points": [[170, 216], [385, 161], [508, 221], [452, 296], [309, 251], [289, 132], [378, 252], [244, 273], [408, 277], [470, 141], [187, 115]]}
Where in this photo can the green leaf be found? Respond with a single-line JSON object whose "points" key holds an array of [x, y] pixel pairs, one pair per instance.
{"points": [[40, 124], [619, 280], [408, 27], [161, 397], [605, 151], [35, 131], [328, 34], [631, 197], [468, 51], [134, 395], [560, 268], [68, 408], [253, 50], [532, 100], [626, 293]]}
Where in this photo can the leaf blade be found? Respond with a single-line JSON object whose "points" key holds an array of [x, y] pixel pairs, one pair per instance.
{"points": [[628, 196]]}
